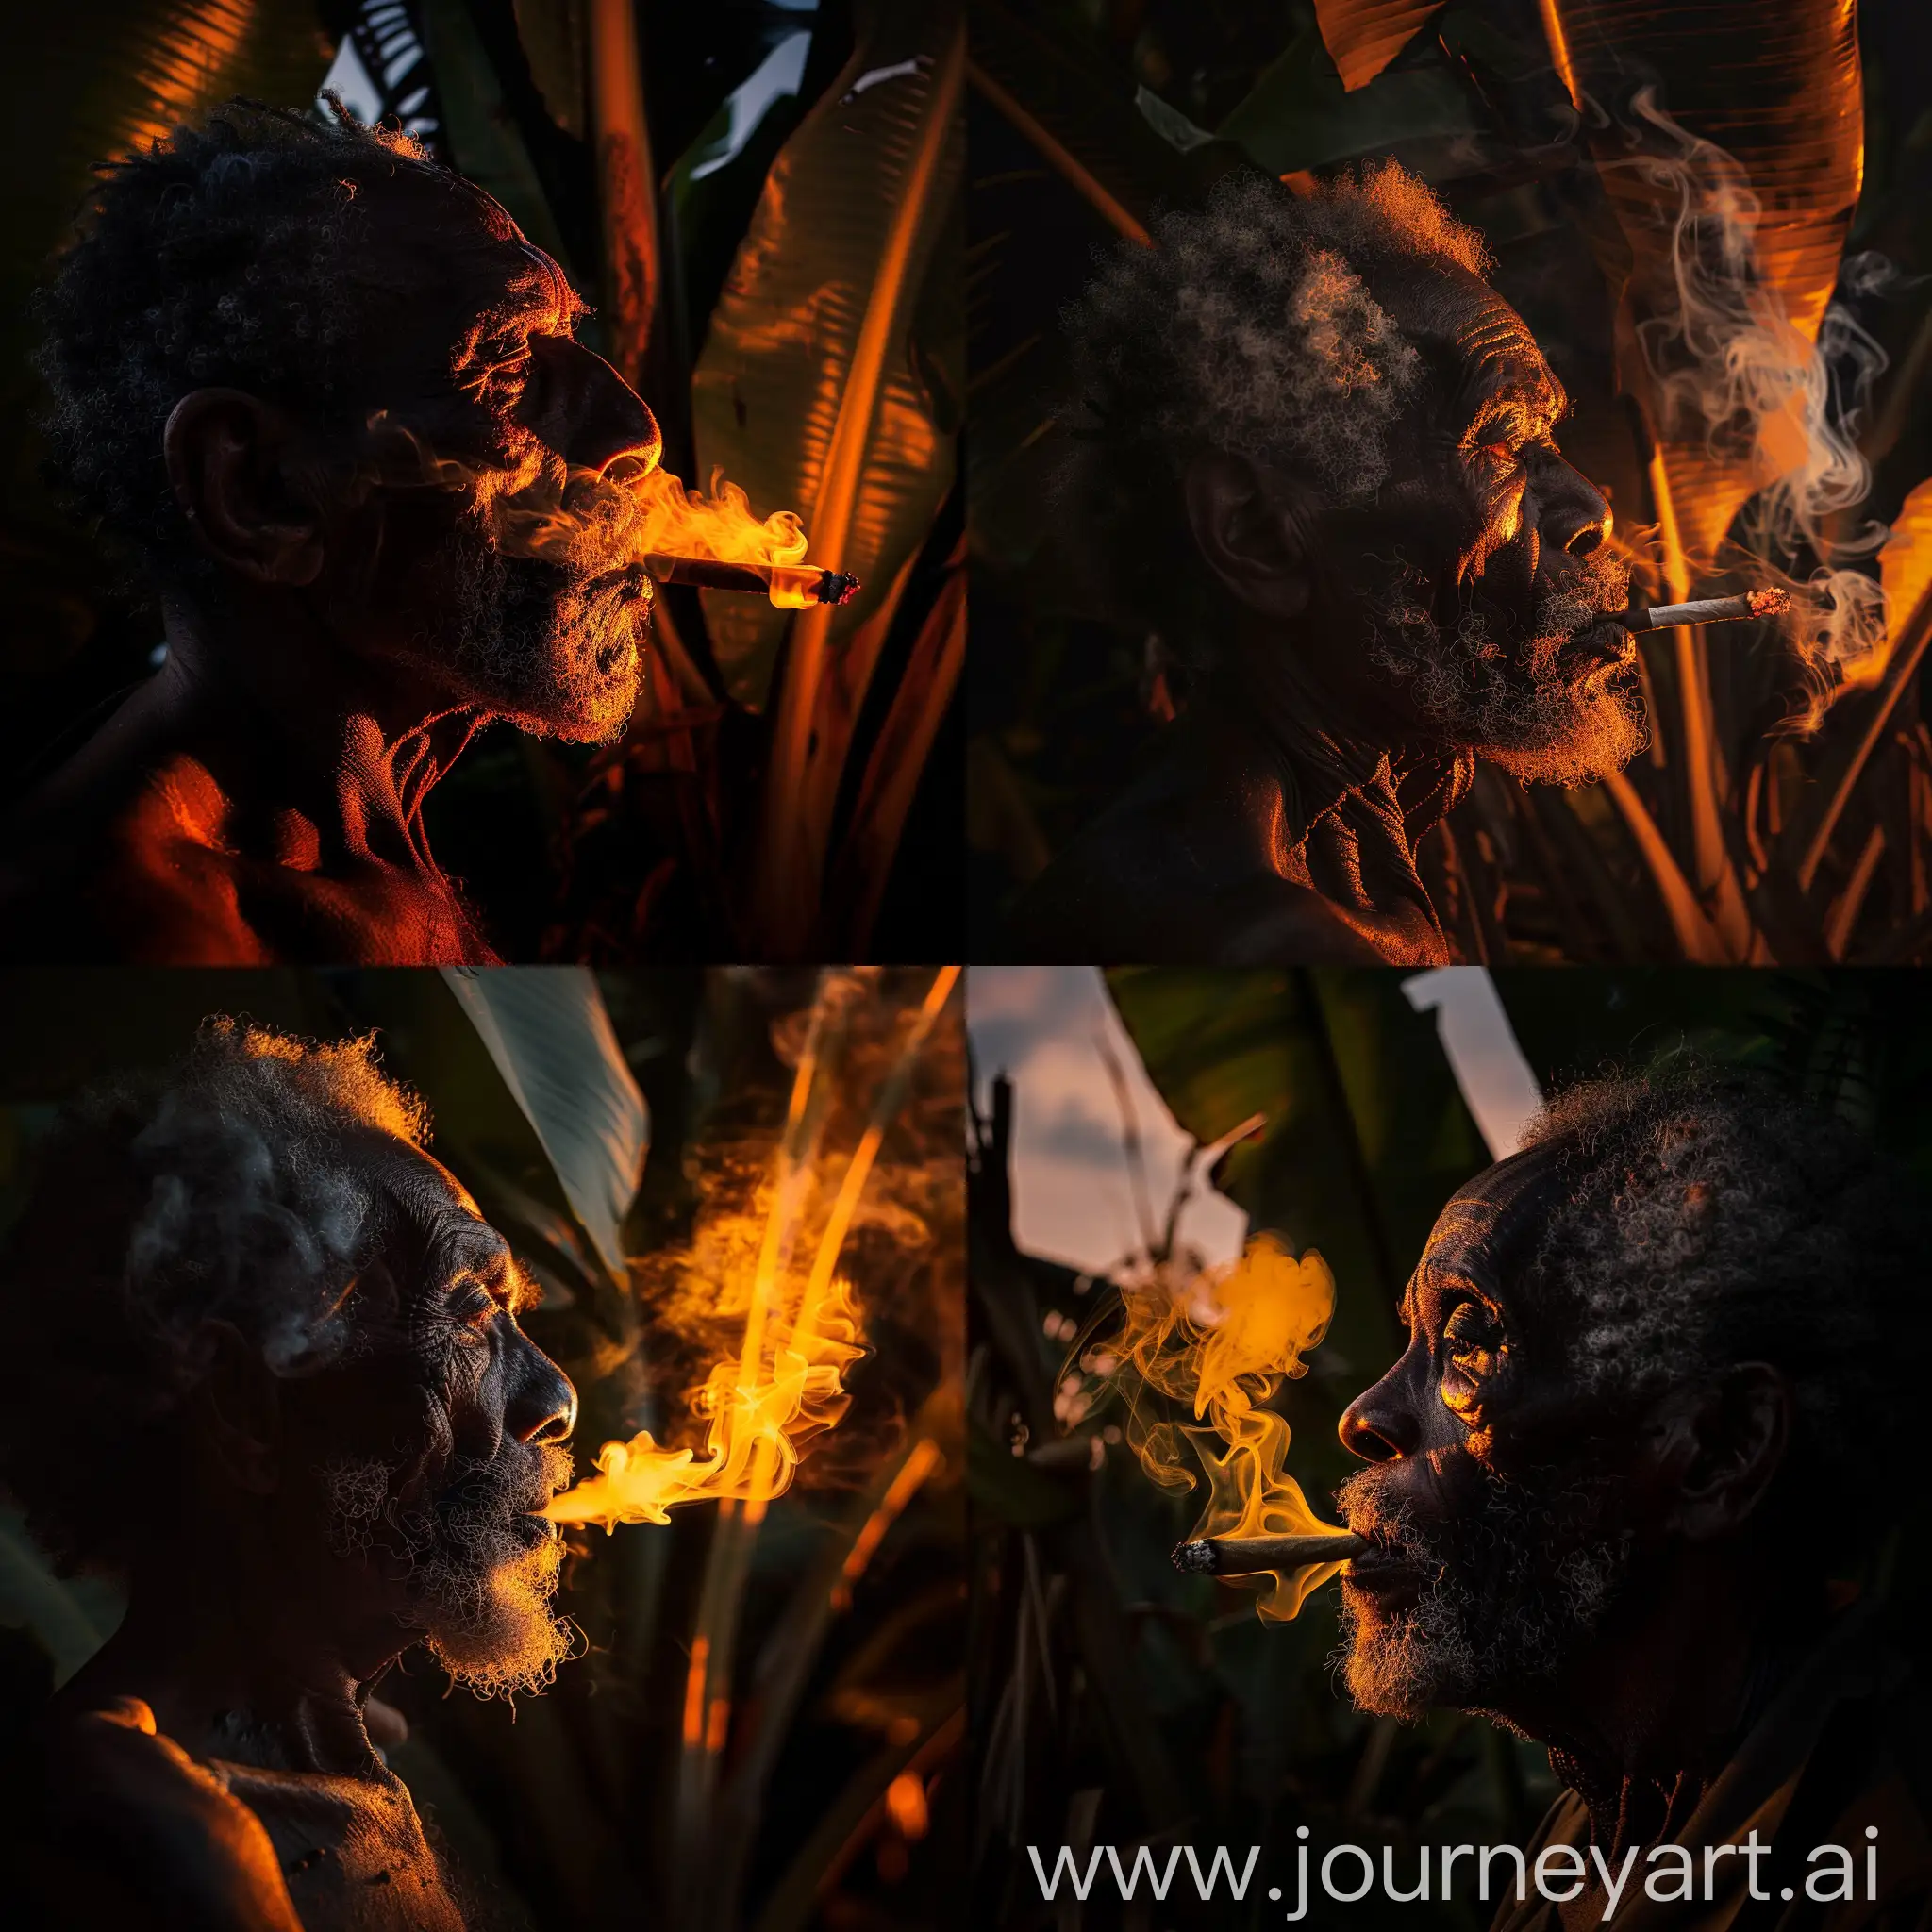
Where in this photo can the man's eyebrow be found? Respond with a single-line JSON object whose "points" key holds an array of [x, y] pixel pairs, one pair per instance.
{"points": [[544, 291], [521, 1291], [1545, 400]]}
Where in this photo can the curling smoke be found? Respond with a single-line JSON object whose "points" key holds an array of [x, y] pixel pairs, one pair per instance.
{"points": [[596, 521], [1223, 1349], [761, 1411], [1775, 413]]}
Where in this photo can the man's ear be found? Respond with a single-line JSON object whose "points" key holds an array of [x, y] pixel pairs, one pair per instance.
{"points": [[1713, 1450], [238, 1409], [228, 455], [1253, 528]]}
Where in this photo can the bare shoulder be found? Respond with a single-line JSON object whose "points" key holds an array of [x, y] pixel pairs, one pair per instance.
{"points": [[145, 877], [352, 1848], [168, 886], [126, 1817]]}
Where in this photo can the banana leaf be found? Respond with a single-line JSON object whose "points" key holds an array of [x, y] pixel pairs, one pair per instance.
{"points": [[808, 391], [533, 1106], [478, 131], [548, 1035], [141, 67], [1307, 111], [831, 382], [1364, 39]]}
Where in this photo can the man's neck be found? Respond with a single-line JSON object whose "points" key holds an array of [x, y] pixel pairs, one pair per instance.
{"points": [[1663, 1697], [1323, 748], [228, 1674], [324, 748]]}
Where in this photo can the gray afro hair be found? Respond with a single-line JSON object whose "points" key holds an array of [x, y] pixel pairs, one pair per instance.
{"points": [[219, 1190], [1247, 327], [1710, 1217], [234, 253]]}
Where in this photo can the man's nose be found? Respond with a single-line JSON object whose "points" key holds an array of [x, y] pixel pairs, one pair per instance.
{"points": [[542, 1406], [1378, 1425], [1572, 514], [591, 417]]}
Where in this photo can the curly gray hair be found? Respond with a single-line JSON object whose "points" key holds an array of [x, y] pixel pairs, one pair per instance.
{"points": [[1249, 327], [221, 1191], [229, 254]]}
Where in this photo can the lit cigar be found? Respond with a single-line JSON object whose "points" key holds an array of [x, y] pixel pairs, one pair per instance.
{"points": [[790, 584], [1242, 1556], [1705, 610]]}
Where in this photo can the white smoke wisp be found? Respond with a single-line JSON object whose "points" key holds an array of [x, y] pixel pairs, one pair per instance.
{"points": [[1728, 366]]}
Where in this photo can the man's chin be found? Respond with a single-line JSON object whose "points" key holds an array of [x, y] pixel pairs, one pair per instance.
{"points": [[495, 1631], [582, 686], [1403, 1664], [1600, 731]]}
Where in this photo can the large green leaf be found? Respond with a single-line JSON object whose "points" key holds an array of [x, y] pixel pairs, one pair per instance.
{"points": [[1302, 114], [549, 1037], [478, 129], [832, 383], [809, 391], [70, 1621]]}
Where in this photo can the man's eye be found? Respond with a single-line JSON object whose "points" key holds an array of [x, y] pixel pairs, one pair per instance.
{"points": [[473, 1310], [1473, 1337], [501, 370]]}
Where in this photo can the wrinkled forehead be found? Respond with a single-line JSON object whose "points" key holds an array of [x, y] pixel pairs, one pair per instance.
{"points": [[1477, 346], [1489, 1231], [426, 1224]]}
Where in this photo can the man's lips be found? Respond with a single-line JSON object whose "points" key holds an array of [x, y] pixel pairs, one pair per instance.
{"points": [[536, 1530], [1384, 1574], [1605, 642]]}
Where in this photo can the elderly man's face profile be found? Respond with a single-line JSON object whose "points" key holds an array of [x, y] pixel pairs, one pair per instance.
{"points": [[1491, 1497], [472, 377], [1466, 603], [416, 1465]]}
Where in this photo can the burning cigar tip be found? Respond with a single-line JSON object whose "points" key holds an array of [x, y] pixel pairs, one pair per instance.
{"points": [[808, 582], [1760, 604], [1239, 1556]]}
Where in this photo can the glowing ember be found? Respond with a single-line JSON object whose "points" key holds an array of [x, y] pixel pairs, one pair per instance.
{"points": [[1223, 1350], [629, 514], [654, 518]]}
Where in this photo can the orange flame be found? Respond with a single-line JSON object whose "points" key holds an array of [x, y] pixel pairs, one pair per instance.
{"points": [[602, 520], [802, 1330], [761, 1412], [623, 520], [1224, 1347]]}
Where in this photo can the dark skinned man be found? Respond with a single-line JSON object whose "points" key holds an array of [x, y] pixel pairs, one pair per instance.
{"points": [[326, 392], [1318, 458], [1653, 1401], [282, 1390]]}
